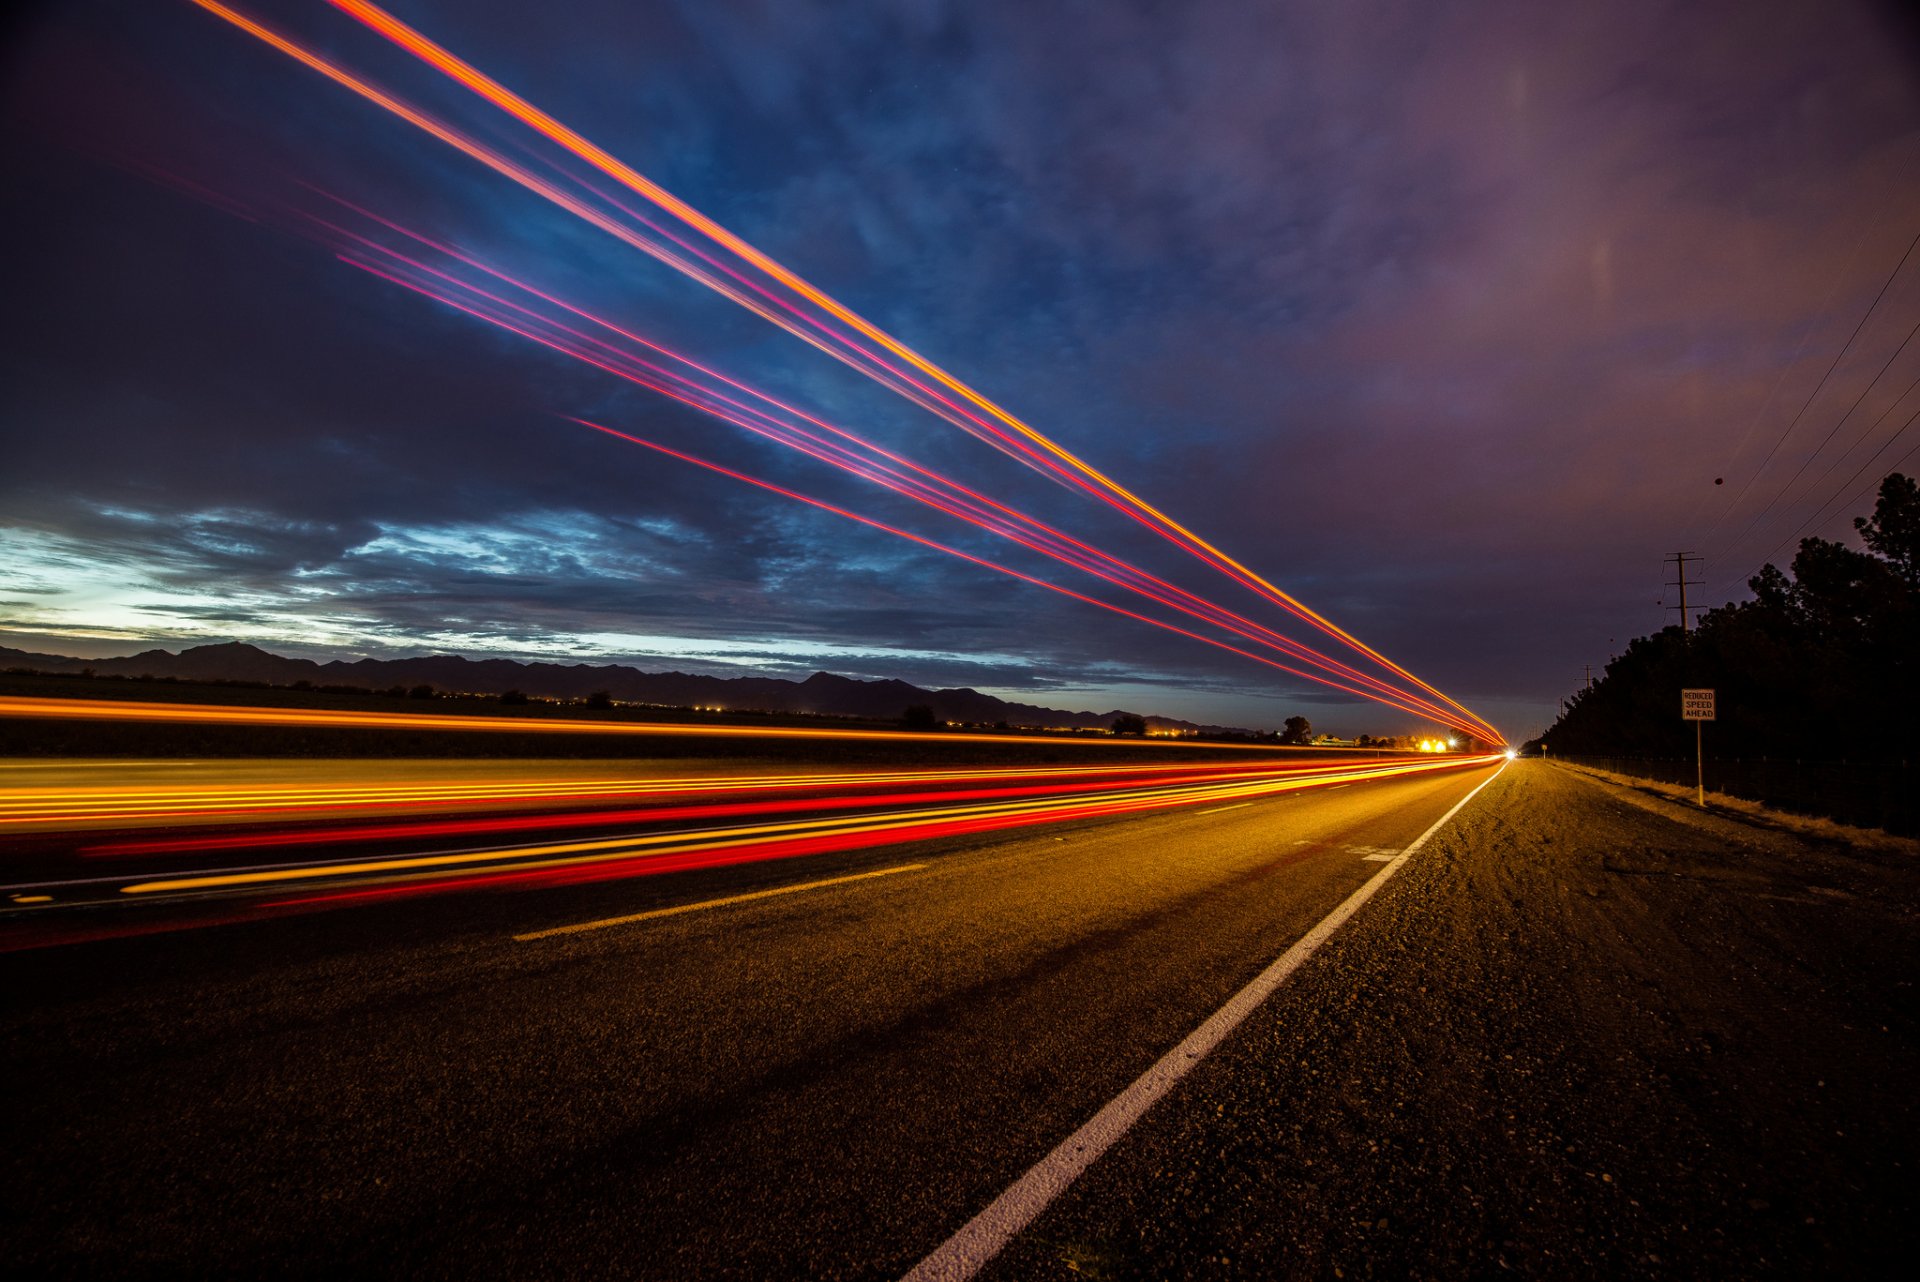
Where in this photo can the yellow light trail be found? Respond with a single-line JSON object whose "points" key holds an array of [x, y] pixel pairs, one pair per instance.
{"points": [[224, 714], [573, 853], [43, 805]]}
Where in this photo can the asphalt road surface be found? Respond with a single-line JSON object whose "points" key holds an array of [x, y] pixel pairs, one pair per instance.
{"points": [[1579, 1033]]}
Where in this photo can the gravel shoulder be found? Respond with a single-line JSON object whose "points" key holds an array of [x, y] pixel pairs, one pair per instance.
{"points": [[1587, 1032]]}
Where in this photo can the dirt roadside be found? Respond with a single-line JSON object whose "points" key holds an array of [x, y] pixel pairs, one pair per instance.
{"points": [[1587, 1032]]}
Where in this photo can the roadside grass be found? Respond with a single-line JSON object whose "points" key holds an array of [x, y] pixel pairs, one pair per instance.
{"points": [[1754, 812]]}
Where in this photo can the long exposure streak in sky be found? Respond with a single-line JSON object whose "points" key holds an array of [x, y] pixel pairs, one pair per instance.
{"points": [[1051, 456], [771, 488], [838, 331], [781, 422]]}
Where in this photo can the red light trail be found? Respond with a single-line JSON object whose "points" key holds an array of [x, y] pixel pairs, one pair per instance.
{"points": [[924, 485], [782, 297], [990, 565], [351, 854]]}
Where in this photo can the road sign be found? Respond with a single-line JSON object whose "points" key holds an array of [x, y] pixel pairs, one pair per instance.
{"points": [[1696, 705]]}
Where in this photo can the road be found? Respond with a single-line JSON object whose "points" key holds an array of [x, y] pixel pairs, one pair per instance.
{"points": [[1487, 1067]]}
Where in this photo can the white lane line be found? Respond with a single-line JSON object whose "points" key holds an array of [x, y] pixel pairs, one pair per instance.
{"points": [[984, 1236], [1217, 809], [1378, 859], [675, 911]]}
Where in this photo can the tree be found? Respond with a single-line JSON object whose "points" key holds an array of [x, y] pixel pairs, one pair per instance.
{"points": [[600, 699], [1893, 530], [1298, 731], [1822, 662], [1129, 723], [919, 717], [513, 696]]}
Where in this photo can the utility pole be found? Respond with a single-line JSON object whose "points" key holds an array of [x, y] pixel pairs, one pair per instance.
{"points": [[1589, 668], [1680, 580]]}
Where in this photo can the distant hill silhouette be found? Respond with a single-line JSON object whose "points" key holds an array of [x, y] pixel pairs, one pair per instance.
{"points": [[821, 693]]}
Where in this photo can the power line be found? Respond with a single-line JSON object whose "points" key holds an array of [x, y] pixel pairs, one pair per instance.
{"points": [[1832, 365], [1840, 458], [1834, 431], [1826, 310], [1821, 514]]}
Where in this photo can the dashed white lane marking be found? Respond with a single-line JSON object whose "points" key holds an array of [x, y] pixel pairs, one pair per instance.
{"points": [[984, 1236], [1378, 859], [1217, 809], [677, 909]]}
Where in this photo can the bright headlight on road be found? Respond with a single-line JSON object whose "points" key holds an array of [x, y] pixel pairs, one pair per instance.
{"points": [[1512, 753]]}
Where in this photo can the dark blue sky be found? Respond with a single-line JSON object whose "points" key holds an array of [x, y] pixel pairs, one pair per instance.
{"points": [[1443, 317]]}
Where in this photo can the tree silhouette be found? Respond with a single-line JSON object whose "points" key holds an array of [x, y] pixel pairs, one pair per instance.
{"points": [[1824, 662], [1297, 730], [1128, 723]]}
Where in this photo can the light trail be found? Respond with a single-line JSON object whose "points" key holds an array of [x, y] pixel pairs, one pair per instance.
{"points": [[972, 411], [1052, 456], [87, 803], [227, 714], [678, 809], [993, 565], [1035, 535], [602, 858], [925, 486], [1398, 699]]}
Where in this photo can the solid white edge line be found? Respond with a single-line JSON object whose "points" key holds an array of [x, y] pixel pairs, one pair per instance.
{"points": [[984, 1236]]}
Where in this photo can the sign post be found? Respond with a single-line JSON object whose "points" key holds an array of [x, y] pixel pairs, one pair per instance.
{"points": [[1697, 706]]}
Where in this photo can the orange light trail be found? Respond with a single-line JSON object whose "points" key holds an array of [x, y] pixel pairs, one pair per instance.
{"points": [[566, 862], [678, 809], [924, 485], [1030, 533], [223, 714], [984, 563], [1063, 461], [220, 878], [40, 806], [1025, 441]]}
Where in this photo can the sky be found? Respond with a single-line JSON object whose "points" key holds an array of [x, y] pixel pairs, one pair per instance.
{"points": [[1452, 321]]}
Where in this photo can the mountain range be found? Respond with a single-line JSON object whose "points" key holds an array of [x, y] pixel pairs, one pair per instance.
{"points": [[821, 693]]}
